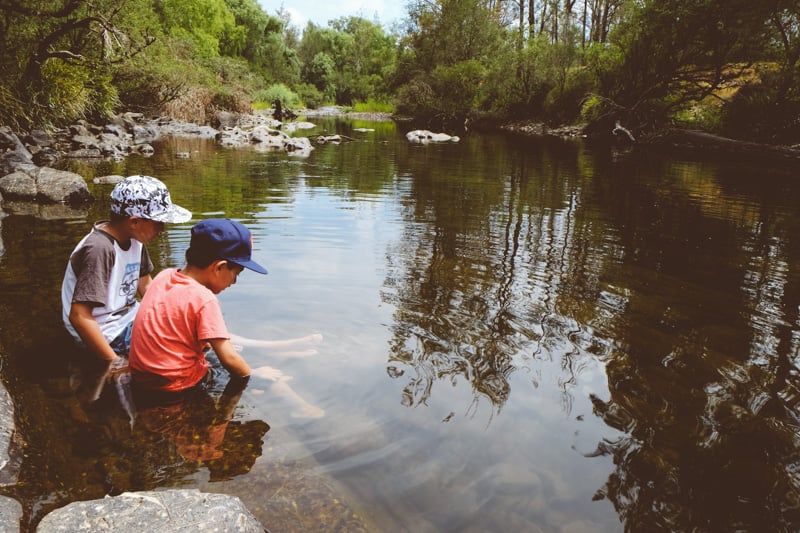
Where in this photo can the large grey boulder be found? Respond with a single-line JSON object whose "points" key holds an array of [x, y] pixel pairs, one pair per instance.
{"points": [[168, 510], [47, 157], [44, 185], [145, 133], [226, 119], [264, 138], [38, 138], [12, 152]]}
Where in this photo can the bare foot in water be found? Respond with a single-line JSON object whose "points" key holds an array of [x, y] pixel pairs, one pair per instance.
{"points": [[299, 407], [268, 373], [308, 411], [280, 387]]}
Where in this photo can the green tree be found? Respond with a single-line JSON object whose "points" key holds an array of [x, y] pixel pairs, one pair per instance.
{"points": [[446, 32], [263, 41], [319, 73], [204, 23], [674, 52], [447, 38], [362, 57], [58, 56], [765, 107], [247, 38], [368, 57], [519, 80], [276, 60], [322, 51]]}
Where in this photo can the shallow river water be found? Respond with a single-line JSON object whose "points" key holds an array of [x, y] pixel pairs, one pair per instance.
{"points": [[518, 334]]}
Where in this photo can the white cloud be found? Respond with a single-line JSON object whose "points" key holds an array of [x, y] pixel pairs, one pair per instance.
{"points": [[296, 18]]}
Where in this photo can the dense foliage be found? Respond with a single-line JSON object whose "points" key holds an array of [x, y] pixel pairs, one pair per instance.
{"points": [[729, 66]]}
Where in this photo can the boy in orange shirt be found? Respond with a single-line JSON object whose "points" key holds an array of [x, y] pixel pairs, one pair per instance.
{"points": [[180, 315], [180, 318]]}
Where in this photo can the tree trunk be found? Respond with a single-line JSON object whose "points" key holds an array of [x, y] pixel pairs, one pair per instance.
{"points": [[583, 25], [531, 19], [543, 17]]}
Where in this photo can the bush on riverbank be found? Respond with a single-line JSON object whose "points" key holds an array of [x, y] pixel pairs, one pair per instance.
{"points": [[67, 61]]}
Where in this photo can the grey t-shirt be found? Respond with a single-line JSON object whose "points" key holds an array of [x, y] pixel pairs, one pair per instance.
{"points": [[105, 275]]}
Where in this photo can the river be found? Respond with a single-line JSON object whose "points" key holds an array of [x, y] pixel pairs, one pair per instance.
{"points": [[518, 334]]}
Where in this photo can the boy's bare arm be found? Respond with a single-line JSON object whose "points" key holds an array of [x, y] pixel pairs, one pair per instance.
{"points": [[81, 318], [144, 282], [230, 358], [283, 343], [284, 348]]}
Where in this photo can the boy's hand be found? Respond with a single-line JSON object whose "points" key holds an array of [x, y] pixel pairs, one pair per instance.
{"points": [[117, 366]]}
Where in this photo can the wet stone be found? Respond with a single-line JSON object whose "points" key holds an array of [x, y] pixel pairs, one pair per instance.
{"points": [[10, 514], [45, 185], [169, 510], [6, 425]]}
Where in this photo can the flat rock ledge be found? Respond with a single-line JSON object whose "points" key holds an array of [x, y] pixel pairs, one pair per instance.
{"points": [[167, 510]]}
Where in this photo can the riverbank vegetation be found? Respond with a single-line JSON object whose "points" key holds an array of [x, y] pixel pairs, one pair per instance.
{"points": [[725, 66]]}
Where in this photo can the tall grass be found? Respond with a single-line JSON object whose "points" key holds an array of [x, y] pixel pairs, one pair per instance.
{"points": [[374, 106]]}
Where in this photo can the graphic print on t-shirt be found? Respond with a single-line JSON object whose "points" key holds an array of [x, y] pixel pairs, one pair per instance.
{"points": [[130, 282]]}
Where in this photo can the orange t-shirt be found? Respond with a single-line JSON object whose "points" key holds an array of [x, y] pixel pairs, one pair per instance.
{"points": [[176, 318]]}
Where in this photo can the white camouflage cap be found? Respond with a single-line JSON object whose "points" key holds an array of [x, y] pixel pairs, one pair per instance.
{"points": [[146, 197]]}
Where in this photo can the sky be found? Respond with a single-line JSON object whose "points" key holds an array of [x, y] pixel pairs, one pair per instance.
{"points": [[320, 12]]}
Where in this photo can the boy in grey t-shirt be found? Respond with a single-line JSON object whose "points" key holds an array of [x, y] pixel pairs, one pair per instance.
{"points": [[110, 266]]}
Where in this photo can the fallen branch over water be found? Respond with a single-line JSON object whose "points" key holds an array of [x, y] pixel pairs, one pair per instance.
{"points": [[711, 144]]}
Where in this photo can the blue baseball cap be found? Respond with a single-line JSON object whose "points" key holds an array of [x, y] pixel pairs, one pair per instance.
{"points": [[226, 239]]}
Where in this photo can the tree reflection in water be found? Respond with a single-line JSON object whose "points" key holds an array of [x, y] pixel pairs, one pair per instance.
{"points": [[490, 271], [706, 386], [687, 294]]}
